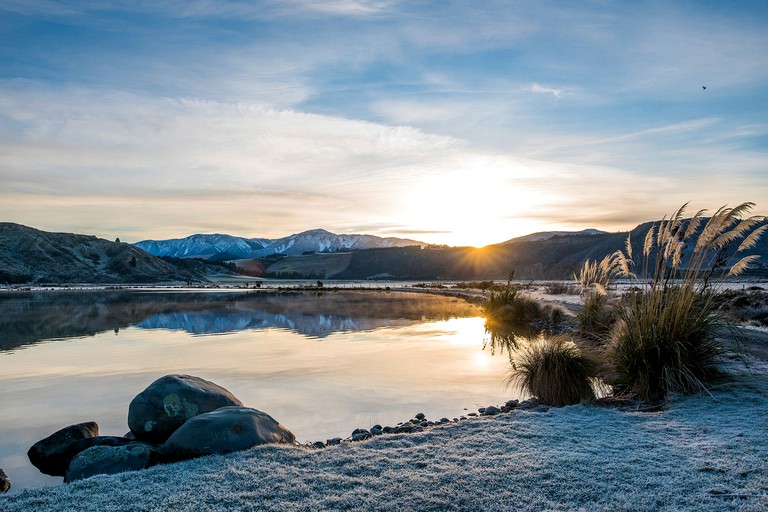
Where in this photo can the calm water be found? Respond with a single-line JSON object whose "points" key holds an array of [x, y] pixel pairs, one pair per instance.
{"points": [[322, 365]]}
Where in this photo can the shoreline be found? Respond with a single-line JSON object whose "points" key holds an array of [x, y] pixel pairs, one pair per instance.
{"points": [[700, 453]]}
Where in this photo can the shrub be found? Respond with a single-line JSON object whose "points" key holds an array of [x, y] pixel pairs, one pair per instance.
{"points": [[555, 371], [665, 338], [560, 288]]}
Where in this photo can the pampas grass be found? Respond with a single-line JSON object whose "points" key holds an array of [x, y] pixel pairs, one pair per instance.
{"points": [[665, 340]]}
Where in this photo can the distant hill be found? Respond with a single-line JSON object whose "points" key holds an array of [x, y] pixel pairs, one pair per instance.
{"points": [[226, 247], [546, 235], [531, 257], [28, 255]]}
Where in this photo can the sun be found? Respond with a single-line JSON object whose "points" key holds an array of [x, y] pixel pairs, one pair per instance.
{"points": [[473, 205]]}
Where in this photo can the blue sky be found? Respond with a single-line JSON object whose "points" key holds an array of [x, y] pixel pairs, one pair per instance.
{"points": [[455, 122]]}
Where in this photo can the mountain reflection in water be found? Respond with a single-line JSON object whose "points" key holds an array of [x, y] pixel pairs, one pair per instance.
{"points": [[31, 317]]}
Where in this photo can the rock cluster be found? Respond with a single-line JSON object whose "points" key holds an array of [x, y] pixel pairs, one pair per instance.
{"points": [[177, 417], [420, 422]]}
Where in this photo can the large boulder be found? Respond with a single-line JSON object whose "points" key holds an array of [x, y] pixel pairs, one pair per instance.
{"points": [[170, 401], [109, 460], [5, 483], [225, 430], [51, 455]]}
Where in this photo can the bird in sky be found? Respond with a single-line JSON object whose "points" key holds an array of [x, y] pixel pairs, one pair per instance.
{"points": [[704, 87]]}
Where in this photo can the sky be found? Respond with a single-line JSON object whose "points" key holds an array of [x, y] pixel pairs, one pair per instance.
{"points": [[452, 121]]}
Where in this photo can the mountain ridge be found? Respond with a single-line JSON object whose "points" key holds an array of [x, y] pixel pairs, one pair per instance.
{"points": [[221, 246]]}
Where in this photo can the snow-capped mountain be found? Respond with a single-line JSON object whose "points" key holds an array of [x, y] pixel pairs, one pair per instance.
{"points": [[227, 247]]}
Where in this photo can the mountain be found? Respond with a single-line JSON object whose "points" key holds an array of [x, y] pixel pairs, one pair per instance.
{"points": [[226, 247], [28, 255], [537, 257], [546, 235], [204, 246]]}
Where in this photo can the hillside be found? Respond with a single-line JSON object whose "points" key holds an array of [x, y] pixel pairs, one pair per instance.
{"points": [[28, 255], [538, 257]]}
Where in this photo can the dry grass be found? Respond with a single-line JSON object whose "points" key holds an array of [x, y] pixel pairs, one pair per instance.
{"points": [[555, 371], [665, 338]]}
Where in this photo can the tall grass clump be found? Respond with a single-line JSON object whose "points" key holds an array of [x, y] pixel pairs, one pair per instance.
{"points": [[665, 339], [598, 315], [555, 371]]}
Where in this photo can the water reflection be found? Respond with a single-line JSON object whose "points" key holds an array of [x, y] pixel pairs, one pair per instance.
{"points": [[27, 318], [429, 359]]}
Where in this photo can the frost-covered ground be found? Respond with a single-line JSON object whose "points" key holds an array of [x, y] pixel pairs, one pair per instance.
{"points": [[702, 453]]}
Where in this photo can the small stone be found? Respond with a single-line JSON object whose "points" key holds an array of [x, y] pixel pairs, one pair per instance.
{"points": [[444, 420], [377, 426], [512, 403], [360, 436], [472, 414], [481, 410], [376, 431], [5, 483], [388, 429], [318, 444], [420, 416], [526, 404], [491, 411], [333, 442], [462, 417], [358, 431], [424, 424], [455, 420]]}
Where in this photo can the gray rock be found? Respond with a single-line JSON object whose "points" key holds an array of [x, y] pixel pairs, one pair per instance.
{"points": [[512, 403], [376, 431], [109, 460], [491, 411], [420, 416], [444, 420], [318, 444], [225, 430], [333, 442], [50, 455], [5, 483], [166, 404]]}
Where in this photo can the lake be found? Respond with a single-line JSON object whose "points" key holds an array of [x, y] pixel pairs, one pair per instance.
{"points": [[322, 364]]}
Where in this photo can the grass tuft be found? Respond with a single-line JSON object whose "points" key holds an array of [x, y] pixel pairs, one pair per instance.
{"points": [[555, 371]]}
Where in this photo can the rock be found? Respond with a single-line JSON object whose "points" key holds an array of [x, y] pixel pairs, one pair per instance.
{"points": [[512, 403], [491, 411], [360, 434], [333, 442], [376, 431], [5, 483], [388, 429], [472, 414], [109, 460], [318, 444], [50, 455], [527, 404], [420, 416], [444, 420], [167, 403], [377, 426], [225, 430], [481, 410]]}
